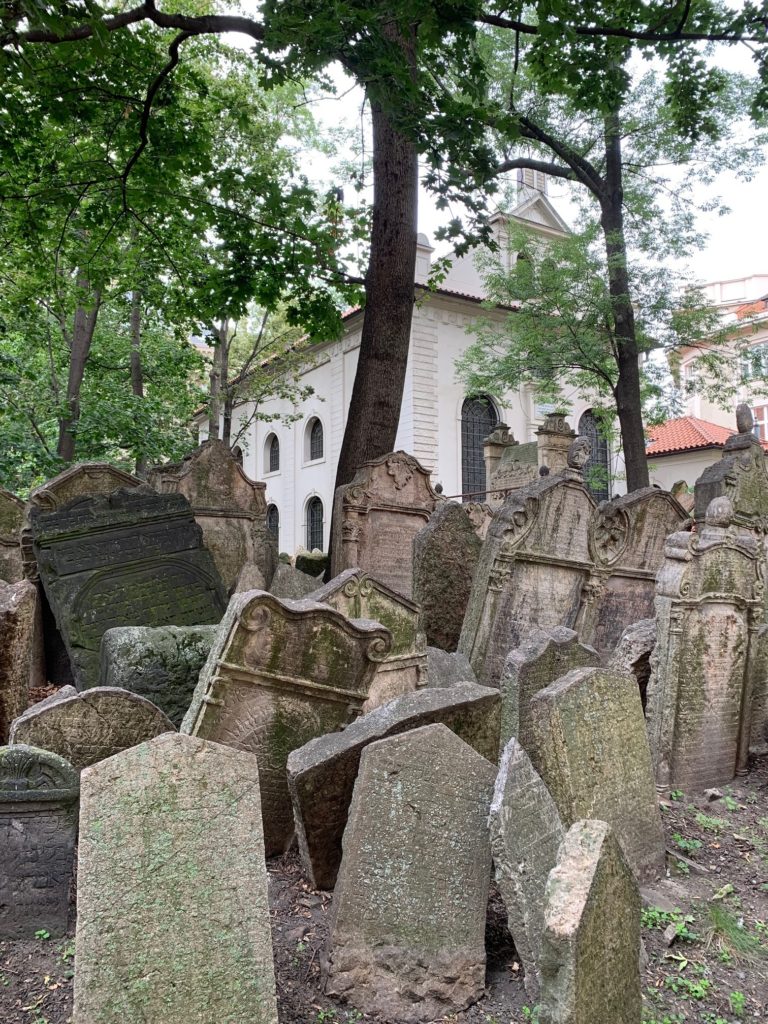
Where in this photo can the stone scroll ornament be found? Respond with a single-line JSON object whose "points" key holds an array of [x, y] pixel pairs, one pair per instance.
{"points": [[378, 514], [281, 673]]}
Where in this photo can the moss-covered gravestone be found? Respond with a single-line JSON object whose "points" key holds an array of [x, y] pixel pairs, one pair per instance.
{"points": [[407, 938], [279, 674], [173, 917], [11, 521], [38, 826], [18, 607]]}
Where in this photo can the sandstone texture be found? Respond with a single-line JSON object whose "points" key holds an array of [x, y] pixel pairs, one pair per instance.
{"points": [[18, 609]]}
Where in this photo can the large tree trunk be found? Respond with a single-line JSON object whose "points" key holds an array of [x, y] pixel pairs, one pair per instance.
{"points": [[84, 324], [226, 390], [214, 401], [137, 374]]}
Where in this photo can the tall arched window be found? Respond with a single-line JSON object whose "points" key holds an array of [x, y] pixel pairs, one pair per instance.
{"points": [[313, 440], [272, 454], [596, 472], [478, 420], [314, 524], [273, 521]]}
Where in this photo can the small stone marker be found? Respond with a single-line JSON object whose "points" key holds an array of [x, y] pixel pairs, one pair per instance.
{"points": [[446, 668], [590, 963], [407, 938], [173, 917], [18, 607], [321, 774], [280, 674], [289, 582], [526, 832], [90, 726], [591, 749], [38, 826], [161, 663], [544, 656]]}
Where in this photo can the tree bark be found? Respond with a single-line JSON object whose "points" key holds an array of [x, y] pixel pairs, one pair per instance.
{"points": [[214, 404], [137, 373], [83, 326], [225, 389]]}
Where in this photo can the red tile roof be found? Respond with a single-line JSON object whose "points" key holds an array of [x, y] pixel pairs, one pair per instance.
{"points": [[686, 434]]}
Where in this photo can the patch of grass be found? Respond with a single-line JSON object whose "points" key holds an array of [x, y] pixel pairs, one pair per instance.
{"points": [[737, 1002], [727, 932], [698, 989], [730, 804], [710, 824]]}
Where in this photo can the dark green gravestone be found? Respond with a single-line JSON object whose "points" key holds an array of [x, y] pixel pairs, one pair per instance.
{"points": [[130, 558]]}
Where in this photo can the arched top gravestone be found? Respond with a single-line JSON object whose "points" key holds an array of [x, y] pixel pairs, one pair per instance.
{"points": [[29, 773]]}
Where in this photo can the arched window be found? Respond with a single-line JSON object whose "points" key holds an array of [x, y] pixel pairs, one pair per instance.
{"points": [[314, 524], [272, 454], [478, 420], [596, 472], [273, 521], [313, 440]]}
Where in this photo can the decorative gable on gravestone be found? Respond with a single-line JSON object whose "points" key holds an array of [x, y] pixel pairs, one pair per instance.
{"points": [[359, 596], [376, 517], [130, 558], [11, 522], [230, 508]]}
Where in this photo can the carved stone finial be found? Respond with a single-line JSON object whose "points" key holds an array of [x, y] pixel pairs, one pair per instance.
{"points": [[745, 421], [579, 453], [719, 512]]}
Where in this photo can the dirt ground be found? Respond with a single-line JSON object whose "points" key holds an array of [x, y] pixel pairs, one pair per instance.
{"points": [[705, 930]]}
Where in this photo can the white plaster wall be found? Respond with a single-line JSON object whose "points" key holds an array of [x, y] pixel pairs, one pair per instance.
{"points": [[666, 470]]}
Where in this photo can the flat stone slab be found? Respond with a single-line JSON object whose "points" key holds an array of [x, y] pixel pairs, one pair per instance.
{"points": [[321, 774], [88, 727], [173, 916]]}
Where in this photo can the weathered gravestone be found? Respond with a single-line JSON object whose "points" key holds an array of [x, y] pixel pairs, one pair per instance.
{"points": [[590, 952], [321, 774], [446, 668], [11, 521], [359, 596], [229, 507], [709, 607], [543, 657], [130, 558], [291, 583], [18, 607], [88, 727], [173, 917], [526, 832], [161, 663], [591, 749], [758, 733], [445, 555], [479, 514], [38, 826], [633, 654], [376, 517], [280, 674], [401, 945]]}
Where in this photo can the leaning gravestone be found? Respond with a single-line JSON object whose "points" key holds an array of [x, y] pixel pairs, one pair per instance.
{"points": [[377, 515], [38, 826], [633, 654], [11, 521], [291, 583], [544, 656], [590, 952], [161, 663], [401, 945], [18, 607], [321, 774], [91, 726], [130, 558], [758, 732], [446, 668], [591, 749], [173, 917], [280, 674], [445, 555], [526, 832]]}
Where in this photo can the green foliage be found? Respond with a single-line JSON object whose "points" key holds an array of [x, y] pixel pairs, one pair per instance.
{"points": [[711, 824], [654, 917], [737, 1001], [726, 931], [689, 846]]}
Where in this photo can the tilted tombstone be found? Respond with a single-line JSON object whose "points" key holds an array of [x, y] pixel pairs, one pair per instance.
{"points": [[291, 583], [88, 727], [709, 608], [38, 827], [401, 945], [130, 558], [543, 657], [322, 773], [173, 916], [279, 674], [11, 522], [18, 607], [445, 556], [758, 733], [446, 668], [161, 663], [377, 515], [229, 507], [590, 951], [359, 596], [591, 749], [633, 654], [526, 832]]}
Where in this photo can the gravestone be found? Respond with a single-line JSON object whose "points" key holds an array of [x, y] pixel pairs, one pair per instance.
{"points": [[445, 555], [91, 726], [161, 663], [591, 749], [359, 596], [709, 608], [758, 733], [740, 475], [590, 952], [526, 832], [130, 558], [173, 917], [543, 657], [279, 674], [291, 583], [18, 608], [11, 522], [38, 827], [480, 515], [633, 654], [446, 668], [376, 517], [321, 774], [229, 507], [401, 945], [517, 468], [553, 441]]}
